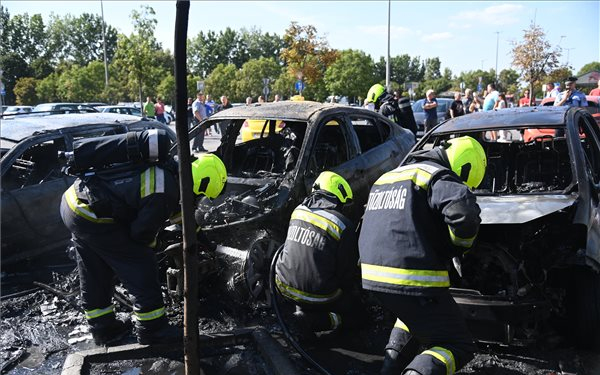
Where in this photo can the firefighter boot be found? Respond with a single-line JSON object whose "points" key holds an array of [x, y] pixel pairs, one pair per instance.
{"points": [[300, 327], [158, 331], [394, 362], [107, 330]]}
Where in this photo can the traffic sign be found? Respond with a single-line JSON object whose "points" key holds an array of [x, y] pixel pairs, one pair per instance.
{"points": [[299, 85], [200, 85], [266, 91]]}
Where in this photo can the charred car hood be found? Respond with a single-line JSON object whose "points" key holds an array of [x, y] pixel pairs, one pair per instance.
{"points": [[518, 209]]}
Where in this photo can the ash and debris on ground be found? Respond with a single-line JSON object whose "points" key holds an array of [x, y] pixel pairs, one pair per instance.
{"points": [[40, 328]]}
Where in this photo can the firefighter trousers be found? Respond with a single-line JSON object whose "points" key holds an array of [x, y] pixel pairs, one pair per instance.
{"points": [[106, 252], [433, 322]]}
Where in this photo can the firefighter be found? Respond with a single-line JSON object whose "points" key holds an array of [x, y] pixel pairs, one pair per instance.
{"points": [[116, 238], [399, 109], [319, 260], [417, 218]]}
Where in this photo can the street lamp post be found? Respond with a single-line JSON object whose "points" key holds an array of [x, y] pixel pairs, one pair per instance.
{"points": [[387, 64], [497, 43], [568, 53], [104, 43]]}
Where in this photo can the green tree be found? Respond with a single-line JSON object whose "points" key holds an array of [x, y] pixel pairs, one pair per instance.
{"points": [[471, 79], [22, 35], [432, 69], [221, 81], [202, 53], [82, 84], [534, 56], [306, 54], [594, 65], [13, 67], [249, 79], [166, 89], [284, 85], [508, 81], [351, 75], [47, 89], [25, 91], [84, 39]]}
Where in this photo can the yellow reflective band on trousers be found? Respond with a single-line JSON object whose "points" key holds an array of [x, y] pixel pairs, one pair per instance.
{"points": [[82, 209], [458, 241], [400, 324], [152, 180], [304, 214], [96, 313], [405, 277], [419, 176], [443, 355], [300, 296], [155, 314], [335, 319]]}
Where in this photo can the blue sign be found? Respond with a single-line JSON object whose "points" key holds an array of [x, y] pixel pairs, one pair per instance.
{"points": [[299, 85], [479, 87]]}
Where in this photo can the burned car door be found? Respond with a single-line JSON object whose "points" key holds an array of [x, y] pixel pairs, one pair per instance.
{"points": [[589, 139], [31, 191]]}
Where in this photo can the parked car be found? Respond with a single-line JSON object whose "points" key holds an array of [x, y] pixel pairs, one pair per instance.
{"points": [[124, 110], [252, 129], [593, 105], [419, 113], [32, 182], [63, 108], [17, 109], [536, 261], [94, 104], [270, 175]]}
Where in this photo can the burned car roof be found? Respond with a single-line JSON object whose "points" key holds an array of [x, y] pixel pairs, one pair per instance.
{"points": [[288, 110], [510, 117], [19, 128]]}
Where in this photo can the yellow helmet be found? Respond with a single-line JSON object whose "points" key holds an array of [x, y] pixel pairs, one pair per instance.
{"points": [[209, 175], [467, 159], [335, 184], [374, 93]]}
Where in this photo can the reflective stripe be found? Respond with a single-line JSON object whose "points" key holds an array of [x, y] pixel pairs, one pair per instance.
{"points": [[406, 277], [96, 313], [458, 241], [82, 209], [445, 356], [331, 218], [305, 214], [336, 320], [159, 182], [400, 324], [155, 314], [419, 174], [153, 144], [301, 296]]}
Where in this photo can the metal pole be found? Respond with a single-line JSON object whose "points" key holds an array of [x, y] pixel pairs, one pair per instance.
{"points": [[104, 43], [387, 64], [190, 243], [568, 53], [497, 42]]}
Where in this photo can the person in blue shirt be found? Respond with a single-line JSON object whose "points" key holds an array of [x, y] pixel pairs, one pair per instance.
{"points": [[430, 109], [571, 96]]}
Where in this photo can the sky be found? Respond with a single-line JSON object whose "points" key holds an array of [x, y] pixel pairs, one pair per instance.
{"points": [[465, 35]]}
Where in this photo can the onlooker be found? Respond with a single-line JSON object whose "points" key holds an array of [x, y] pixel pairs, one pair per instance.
{"points": [[199, 115], [159, 109], [551, 90], [475, 105], [430, 108], [500, 102], [571, 96], [277, 98], [148, 109], [467, 100], [261, 99], [596, 91], [249, 100], [210, 109], [190, 112], [525, 101], [457, 107], [224, 105], [489, 103]]}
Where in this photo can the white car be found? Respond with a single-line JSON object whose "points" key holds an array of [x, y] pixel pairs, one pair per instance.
{"points": [[16, 109]]}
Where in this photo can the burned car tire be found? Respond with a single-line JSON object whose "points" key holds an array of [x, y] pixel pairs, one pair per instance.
{"points": [[583, 306], [257, 266]]}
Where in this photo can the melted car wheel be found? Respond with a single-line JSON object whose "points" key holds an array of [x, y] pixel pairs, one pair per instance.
{"points": [[256, 270]]}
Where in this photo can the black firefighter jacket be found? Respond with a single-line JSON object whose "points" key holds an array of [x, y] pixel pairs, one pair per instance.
{"points": [[320, 252], [142, 200], [418, 216]]}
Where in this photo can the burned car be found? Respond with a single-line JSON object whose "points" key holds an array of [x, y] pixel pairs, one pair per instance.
{"points": [[32, 181], [535, 265], [270, 175]]}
